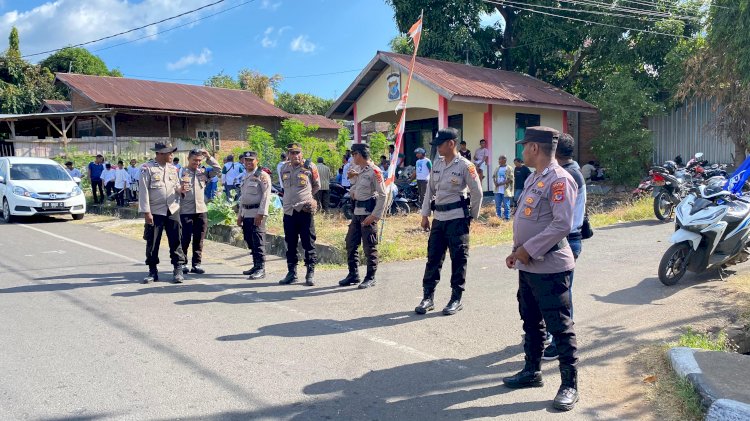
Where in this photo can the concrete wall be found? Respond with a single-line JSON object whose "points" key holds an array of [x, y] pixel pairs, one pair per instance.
{"points": [[375, 99], [504, 127]]}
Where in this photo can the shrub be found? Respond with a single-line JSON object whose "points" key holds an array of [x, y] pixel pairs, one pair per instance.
{"points": [[221, 212]]}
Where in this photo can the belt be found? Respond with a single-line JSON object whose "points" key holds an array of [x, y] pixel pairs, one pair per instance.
{"points": [[559, 246], [255, 206], [450, 206], [364, 203]]}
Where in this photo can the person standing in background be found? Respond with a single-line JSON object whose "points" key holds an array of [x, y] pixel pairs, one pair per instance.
{"points": [[74, 172], [463, 151], [520, 173], [503, 180], [481, 159], [134, 174], [108, 179], [96, 169], [232, 174], [121, 183], [422, 171], [324, 194]]}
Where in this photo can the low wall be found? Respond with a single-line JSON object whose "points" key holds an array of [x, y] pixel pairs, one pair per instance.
{"points": [[134, 147]]}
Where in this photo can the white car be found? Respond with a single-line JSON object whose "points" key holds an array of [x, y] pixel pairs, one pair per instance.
{"points": [[38, 186]]}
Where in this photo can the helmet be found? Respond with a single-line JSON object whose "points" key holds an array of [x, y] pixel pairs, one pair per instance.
{"points": [[419, 150], [714, 185], [671, 166]]}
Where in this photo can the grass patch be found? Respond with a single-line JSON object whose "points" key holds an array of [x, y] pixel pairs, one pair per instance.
{"points": [[673, 398], [639, 210], [693, 339], [740, 285]]}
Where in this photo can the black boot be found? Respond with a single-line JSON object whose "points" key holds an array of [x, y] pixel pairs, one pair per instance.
{"points": [[291, 276], [178, 277], [352, 278], [530, 376], [567, 395], [454, 305], [153, 275], [309, 281], [258, 273], [249, 271], [369, 279], [427, 303], [198, 269], [185, 270]]}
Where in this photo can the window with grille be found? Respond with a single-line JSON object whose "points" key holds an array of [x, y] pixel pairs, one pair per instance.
{"points": [[212, 138]]}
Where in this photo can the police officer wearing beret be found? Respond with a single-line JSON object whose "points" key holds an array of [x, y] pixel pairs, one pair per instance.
{"points": [[368, 194], [452, 175], [255, 195], [193, 209], [158, 201], [544, 261], [300, 181]]}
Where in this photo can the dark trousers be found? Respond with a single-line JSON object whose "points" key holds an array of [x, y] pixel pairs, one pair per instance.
{"points": [[299, 226], [422, 189], [194, 229], [109, 188], [452, 235], [544, 301], [152, 235], [368, 236], [97, 184], [324, 199], [255, 237], [120, 197]]}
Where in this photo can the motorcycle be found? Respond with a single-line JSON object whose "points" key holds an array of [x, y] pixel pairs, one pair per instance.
{"points": [[712, 231], [644, 188], [671, 185], [337, 192]]}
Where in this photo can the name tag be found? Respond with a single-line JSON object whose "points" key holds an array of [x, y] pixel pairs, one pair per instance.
{"points": [[253, 184]]}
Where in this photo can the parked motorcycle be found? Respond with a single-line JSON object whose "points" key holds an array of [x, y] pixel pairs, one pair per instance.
{"points": [[713, 228], [671, 184]]}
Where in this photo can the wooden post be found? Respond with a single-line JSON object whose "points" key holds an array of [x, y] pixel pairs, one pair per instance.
{"points": [[169, 127], [64, 133], [12, 125], [114, 136]]}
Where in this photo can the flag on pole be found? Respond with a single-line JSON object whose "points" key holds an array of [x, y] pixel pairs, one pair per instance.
{"points": [[415, 32]]}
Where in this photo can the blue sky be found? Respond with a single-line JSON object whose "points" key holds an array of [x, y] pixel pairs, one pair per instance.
{"points": [[289, 37]]}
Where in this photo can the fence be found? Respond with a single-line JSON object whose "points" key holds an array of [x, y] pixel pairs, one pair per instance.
{"points": [[127, 147], [687, 130]]}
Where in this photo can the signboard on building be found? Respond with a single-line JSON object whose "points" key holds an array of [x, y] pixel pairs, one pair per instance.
{"points": [[394, 86]]}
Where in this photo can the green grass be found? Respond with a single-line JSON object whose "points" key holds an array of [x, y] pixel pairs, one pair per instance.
{"points": [[672, 397], [693, 339], [640, 210]]}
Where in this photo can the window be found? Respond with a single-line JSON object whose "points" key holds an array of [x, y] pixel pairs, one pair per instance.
{"points": [[212, 137], [38, 172], [522, 122]]}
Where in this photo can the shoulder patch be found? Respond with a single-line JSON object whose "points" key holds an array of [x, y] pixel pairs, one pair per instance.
{"points": [[472, 170], [558, 192]]}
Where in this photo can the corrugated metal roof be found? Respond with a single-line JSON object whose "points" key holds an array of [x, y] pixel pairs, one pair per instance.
{"points": [[134, 93], [56, 106], [318, 120], [464, 83]]}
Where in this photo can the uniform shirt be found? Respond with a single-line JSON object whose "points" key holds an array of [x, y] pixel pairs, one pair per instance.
{"points": [[368, 184], [194, 200], [543, 219], [300, 184], [74, 172], [345, 178], [159, 189], [423, 168], [134, 173], [108, 175], [580, 209], [255, 190], [232, 171], [325, 176], [448, 184], [121, 178]]}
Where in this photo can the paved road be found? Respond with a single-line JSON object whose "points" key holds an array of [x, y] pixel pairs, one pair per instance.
{"points": [[82, 339]]}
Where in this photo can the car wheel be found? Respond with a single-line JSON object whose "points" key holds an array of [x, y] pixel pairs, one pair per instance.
{"points": [[78, 216], [6, 216]]}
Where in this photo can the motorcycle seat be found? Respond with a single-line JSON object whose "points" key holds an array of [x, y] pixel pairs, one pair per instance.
{"points": [[738, 211]]}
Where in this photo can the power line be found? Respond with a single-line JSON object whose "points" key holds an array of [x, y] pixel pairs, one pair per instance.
{"points": [[128, 31], [634, 10], [284, 77], [707, 3], [595, 12], [175, 27], [502, 3]]}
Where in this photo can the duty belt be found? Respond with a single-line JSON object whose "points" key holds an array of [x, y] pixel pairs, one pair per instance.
{"points": [[450, 206], [559, 246], [368, 204], [255, 206]]}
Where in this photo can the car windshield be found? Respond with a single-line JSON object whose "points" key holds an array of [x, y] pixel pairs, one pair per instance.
{"points": [[38, 172]]}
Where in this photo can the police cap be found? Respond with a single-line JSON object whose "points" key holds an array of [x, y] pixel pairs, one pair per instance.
{"points": [[540, 134], [248, 154], [444, 135], [293, 147]]}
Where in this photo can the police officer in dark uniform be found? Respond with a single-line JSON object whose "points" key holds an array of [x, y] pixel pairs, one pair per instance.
{"points": [[544, 261], [158, 201], [300, 181], [368, 193], [452, 175]]}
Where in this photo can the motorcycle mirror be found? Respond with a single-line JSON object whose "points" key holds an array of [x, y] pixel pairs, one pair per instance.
{"points": [[699, 155]]}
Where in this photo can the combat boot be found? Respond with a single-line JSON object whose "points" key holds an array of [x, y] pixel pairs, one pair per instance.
{"points": [[185, 270], [178, 277], [250, 271], [567, 395], [258, 273], [153, 275], [454, 305], [291, 276], [427, 303], [530, 376], [352, 278], [309, 281], [369, 279], [198, 269]]}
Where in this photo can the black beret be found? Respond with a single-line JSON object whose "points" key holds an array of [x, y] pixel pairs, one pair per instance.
{"points": [[540, 134], [360, 147], [444, 135]]}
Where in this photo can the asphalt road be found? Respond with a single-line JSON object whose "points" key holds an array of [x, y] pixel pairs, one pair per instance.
{"points": [[83, 339]]}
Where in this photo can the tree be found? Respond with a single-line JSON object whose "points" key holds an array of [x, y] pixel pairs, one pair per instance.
{"points": [[262, 143], [378, 143], [248, 80], [303, 103], [78, 60], [295, 131], [14, 49]]}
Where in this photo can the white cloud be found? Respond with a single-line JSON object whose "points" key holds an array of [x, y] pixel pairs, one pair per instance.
{"points": [[191, 59], [267, 41], [302, 44], [77, 21], [269, 5]]}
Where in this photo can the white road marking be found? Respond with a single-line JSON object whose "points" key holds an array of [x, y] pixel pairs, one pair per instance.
{"points": [[89, 246]]}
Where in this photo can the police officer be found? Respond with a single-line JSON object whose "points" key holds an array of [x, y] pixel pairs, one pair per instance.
{"points": [[300, 181], [158, 201], [193, 209], [544, 261], [368, 194], [452, 175], [255, 195]]}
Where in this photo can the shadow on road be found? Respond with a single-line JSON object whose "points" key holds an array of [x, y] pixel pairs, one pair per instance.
{"points": [[651, 289], [644, 223], [96, 280]]}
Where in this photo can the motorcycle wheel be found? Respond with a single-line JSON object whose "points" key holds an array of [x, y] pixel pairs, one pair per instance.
{"points": [[663, 207], [400, 209], [346, 208], [673, 266]]}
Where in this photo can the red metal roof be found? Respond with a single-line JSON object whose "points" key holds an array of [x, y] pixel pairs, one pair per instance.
{"points": [[318, 120], [465, 81], [134, 93], [56, 106]]}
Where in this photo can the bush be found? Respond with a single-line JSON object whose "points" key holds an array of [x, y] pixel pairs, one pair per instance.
{"points": [[221, 212]]}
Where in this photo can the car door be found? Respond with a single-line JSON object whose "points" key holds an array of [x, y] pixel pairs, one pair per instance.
{"points": [[4, 175]]}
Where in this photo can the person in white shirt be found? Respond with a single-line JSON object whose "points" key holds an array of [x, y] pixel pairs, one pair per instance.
{"points": [[503, 180], [481, 159], [232, 175], [588, 171], [134, 174], [345, 177], [278, 168], [122, 179], [422, 171], [176, 163], [74, 172], [108, 179]]}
